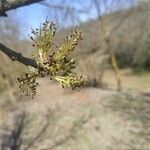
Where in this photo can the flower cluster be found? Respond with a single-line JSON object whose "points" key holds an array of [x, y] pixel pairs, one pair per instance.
{"points": [[58, 64]]}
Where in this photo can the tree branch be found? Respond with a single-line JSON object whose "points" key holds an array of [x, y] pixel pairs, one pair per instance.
{"points": [[6, 5], [15, 56]]}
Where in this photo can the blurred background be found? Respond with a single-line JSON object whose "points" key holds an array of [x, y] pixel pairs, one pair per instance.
{"points": [[114, 55], [125, 23]]}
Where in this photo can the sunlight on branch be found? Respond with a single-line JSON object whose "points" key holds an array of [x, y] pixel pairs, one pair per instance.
{"points": [[58, 64]]}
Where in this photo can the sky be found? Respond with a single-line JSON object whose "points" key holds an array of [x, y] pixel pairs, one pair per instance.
{"points": [[33, 15]]}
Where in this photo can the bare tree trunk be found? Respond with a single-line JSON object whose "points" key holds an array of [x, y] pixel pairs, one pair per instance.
{"points": [[111, 55], [114, 65], [106, 36]]}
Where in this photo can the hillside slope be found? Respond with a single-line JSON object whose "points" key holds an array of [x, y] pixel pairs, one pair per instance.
{"points": [[129, 40]]}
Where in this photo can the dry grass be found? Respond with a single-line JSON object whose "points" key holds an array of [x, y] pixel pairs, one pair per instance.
{"points": [[135, 109], [130, 81], [90, 119]]}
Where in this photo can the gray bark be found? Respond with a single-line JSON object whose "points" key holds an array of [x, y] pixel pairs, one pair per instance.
{"points": [[6, 5], [15, 56]]}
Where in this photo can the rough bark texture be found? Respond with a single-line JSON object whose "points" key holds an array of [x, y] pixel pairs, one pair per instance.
{"points": [[15, 56], [6, 5]]}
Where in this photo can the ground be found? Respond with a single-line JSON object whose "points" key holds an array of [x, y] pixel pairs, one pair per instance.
{"points": [[89, 119], [130, 80]]}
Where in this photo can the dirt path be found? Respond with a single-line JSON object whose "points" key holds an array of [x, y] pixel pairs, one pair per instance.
{"points": [[92, 119]]}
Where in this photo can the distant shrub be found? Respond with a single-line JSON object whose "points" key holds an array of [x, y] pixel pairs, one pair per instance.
{"points": [[137, 57]]}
